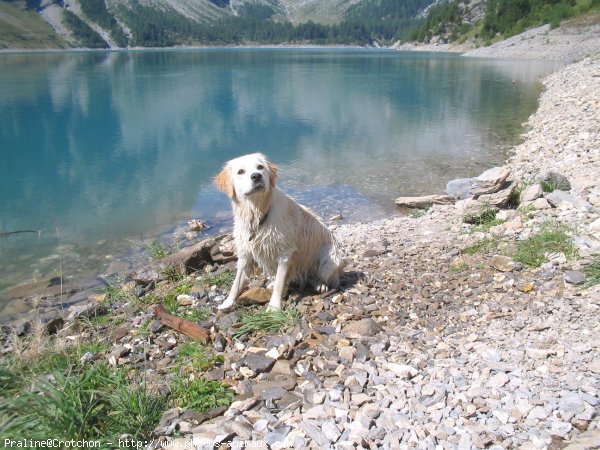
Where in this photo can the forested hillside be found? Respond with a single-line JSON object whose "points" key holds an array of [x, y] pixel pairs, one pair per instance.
{"points": [[21, 27], [448, 21], [166, 23], [162, 23]]}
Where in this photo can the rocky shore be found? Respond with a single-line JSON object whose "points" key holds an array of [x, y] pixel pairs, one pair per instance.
{"points": [[572, 41], [442, 335]]}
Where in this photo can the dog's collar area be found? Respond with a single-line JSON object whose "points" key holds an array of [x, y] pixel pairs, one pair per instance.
{"points": [[260, 224]]}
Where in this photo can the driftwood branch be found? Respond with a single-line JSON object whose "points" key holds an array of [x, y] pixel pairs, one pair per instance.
{"points": [[327, 294], [8, 233], [184, 326]]}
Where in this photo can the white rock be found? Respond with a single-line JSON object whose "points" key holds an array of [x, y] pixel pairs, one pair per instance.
{"points": [[538, 412], [498, 380], [402, 370], [273, 353]]}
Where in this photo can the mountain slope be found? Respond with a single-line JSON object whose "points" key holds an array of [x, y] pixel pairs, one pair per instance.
{"points": [[164, 23], [319, 11], [21, 28]]}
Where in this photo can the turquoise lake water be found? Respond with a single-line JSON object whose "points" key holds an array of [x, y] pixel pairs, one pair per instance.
{"points": [[101, 151]]}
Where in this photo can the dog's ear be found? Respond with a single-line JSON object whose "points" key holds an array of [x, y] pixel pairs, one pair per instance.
{"points": [[223, 182], [272, 172]]}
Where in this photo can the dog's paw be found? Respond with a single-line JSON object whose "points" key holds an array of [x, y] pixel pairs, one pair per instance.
{"points": [[321, 288], [273, 308], [226, 306]]}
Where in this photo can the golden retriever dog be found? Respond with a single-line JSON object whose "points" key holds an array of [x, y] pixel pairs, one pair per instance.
{"points": [[274, 232]]}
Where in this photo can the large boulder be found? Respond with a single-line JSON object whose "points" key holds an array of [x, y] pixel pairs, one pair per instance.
{"points": [[475, 212], [460, 188], [498, 199], [560, 198], [531, 193], [554, 180], [490, 181]]}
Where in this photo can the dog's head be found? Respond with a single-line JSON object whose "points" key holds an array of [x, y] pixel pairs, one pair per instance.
{"points": [[247, 176]]}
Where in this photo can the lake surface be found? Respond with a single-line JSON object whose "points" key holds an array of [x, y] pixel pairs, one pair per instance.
{"points": [[101, 151]]}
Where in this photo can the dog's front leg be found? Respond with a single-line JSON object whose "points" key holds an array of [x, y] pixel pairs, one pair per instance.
{"points": [[280, 284], [241, 277]]}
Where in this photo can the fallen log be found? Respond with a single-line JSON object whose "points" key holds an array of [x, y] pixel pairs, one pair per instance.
{"points": [[425, 201], [10, 233], [190, 329]]}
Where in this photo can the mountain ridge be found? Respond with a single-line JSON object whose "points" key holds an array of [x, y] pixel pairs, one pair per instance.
{"points": [[145, 23]]}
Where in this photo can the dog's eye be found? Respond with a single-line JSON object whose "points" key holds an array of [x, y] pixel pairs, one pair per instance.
{"points": [[241, 172], [260, 167]]}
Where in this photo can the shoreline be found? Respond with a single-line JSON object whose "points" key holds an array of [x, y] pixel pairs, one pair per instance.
{"points": [[521, 52], [572, 41], [77, 278]]}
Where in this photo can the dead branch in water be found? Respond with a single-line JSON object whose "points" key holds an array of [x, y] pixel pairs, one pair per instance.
{"points": [[9, 233]]}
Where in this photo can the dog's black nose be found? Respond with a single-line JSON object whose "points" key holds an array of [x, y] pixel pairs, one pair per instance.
{"points": [[256, 176]]}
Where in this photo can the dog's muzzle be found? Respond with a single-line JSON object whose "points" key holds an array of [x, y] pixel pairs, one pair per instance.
{"points": [[258, 183]]}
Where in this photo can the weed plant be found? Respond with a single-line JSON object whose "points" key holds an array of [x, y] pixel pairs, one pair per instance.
{"points": [[171, 274], [198, 315], [592, 273], [549, 186], [115, 293], [417, 212], [552, 238], [194, 355], [92, 402], [458, 267], [486, 216], [158, 250], [170, 303], [200, 395], [483, 246], [221, 280], [267, 321]]}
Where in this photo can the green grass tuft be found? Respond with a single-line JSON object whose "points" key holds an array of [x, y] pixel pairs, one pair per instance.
{"points": [[267, 321], [92, 347], [171, 274], [115, 293], [158, 250], [417, 212], [549, 186], [484, 227], [198, 315], [66, 406], [135, 410], [200, 395], [170, 303], [487, 216], [79, 402], [194, 355], [483, 246], [552, 238], [458, 267], [592, 273], [222, 280]]}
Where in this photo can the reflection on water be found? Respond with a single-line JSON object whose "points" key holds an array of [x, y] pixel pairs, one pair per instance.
{"points": [[98, 148]]}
